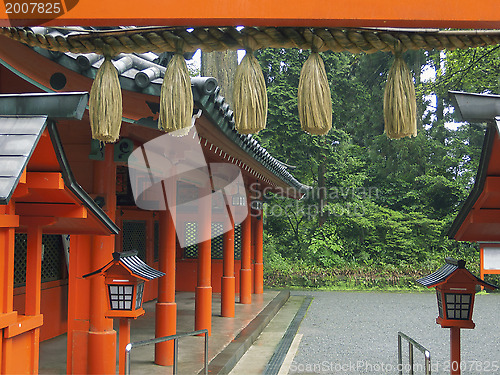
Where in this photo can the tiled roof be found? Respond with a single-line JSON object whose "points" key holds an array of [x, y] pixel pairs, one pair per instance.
{"points": [[23, 118], [143, 73], [19, 136]]}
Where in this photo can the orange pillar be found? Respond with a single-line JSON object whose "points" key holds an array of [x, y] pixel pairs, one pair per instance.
{"points": [[8, 221], [203, 291], [228, 279], [166, 308], [455, 351], [246, 254], [259, 254], [481, 264], [124, 339], [102, 338], [34, 287]]}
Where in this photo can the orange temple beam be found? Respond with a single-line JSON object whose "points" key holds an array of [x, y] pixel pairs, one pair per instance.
{"points": [[357, 13]]}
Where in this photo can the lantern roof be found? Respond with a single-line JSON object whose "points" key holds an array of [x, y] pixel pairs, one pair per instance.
{"points": [[132, 263], [446, 272]]}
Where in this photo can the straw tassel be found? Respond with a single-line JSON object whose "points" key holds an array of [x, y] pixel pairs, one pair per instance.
{"points": [[105, 103], [314, 97], [249, 96], [400, 103], [176, 98]]}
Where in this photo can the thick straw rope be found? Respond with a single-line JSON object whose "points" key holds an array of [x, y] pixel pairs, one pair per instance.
{"points": [[209, 39]]}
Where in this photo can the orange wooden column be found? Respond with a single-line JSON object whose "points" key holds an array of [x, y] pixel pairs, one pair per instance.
{"points": [[246, 254], [8, 221], [228, 279], [259, 253], [166, 308], [102, 338], [34, 287], [203, 291]]}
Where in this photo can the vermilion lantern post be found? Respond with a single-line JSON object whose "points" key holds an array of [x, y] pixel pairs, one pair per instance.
{"points": [[124, 278], [455, 291]]}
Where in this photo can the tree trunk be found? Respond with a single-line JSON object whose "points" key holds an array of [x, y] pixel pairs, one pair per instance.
{"points": [[222, 66]]}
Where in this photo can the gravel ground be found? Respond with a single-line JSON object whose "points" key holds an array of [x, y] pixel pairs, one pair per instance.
{"points": [[356, 333]]}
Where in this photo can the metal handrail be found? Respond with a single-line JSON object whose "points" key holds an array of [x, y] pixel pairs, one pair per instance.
{"points": [[136, 344], [412, 343]]}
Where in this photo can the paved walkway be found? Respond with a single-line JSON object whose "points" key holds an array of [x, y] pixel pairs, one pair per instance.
{"points": [[342, 333], [356, 333]]}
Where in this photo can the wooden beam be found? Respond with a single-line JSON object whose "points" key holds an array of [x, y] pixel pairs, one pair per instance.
{"points": [[51, 210], [492, 184], [485, 216], [354, 13], [45, 180]]}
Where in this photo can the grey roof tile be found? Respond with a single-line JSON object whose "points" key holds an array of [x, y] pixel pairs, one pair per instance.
{"points": [[16, 148]]}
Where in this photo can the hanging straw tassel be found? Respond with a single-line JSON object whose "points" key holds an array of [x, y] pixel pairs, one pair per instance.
{"points": [[400, 103], [314, 97], [176, 98], [105, 103], [249, 96]]}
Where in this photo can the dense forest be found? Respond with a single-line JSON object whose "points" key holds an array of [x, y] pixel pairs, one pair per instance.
{"points": [[380, 209]]}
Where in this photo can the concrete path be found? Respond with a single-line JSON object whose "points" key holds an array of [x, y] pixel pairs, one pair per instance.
{"points": [[356, 333], [254, 361]]}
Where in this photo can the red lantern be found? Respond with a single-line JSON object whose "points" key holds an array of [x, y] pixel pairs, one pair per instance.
{"points": [[124, 279], [455, 291]]}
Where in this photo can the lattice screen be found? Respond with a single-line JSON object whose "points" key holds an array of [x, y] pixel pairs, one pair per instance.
{"points": [[237, 242], [53, 262], [134, 237], [191, 250], [191, 232], [217, 241]]}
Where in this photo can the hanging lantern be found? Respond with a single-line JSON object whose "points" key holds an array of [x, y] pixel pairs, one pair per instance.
{"points": [[400, 103], [176, 98], [249, 96], [314, 97], [105, 103]]}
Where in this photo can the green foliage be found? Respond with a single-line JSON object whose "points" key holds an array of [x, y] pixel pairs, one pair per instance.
{"points": [[378, 207]]}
